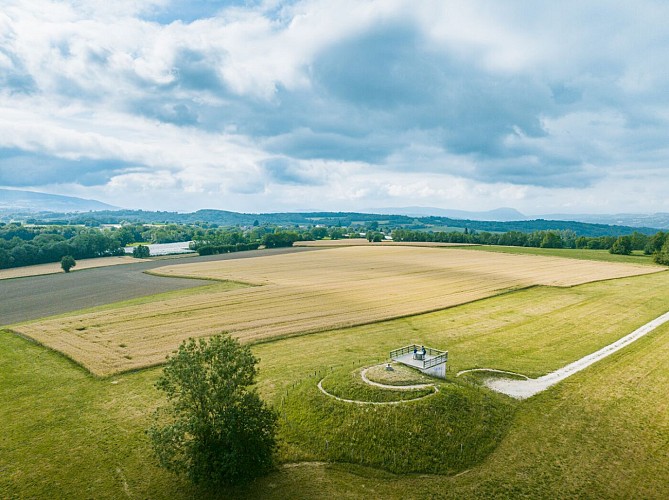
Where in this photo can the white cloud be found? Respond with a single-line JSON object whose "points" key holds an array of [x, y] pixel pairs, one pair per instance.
{"points": [[470, 104]]}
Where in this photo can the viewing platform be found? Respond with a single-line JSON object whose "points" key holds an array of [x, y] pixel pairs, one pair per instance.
{"points": [[433, 362]]}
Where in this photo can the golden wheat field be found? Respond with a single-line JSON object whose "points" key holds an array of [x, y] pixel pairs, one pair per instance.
{"points": [[301, 293]]}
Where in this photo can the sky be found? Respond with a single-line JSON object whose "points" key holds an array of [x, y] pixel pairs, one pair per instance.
{"points": [[258, 106]]}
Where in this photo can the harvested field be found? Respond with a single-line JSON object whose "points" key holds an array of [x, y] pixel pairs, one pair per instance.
{"points": [[302, 293], [54, 267]]}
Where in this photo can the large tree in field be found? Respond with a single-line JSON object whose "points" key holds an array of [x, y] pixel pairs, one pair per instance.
{"points": [[214, 429]]}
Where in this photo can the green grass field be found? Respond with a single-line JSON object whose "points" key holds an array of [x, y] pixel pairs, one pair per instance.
{"points": [[636, 257], [603, 433]]}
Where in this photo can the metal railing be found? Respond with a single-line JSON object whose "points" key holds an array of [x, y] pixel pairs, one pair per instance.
{"points": [[439, 356]]}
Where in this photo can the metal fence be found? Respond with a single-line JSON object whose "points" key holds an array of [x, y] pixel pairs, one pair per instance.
{"points": [[440, 356]]}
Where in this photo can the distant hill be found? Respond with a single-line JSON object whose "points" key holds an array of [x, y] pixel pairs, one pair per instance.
{"points": [[17, 201], [500, 214], [343, 219], [659, 220]]}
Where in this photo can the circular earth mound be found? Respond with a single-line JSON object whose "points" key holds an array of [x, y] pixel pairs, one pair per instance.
{"points": [[397, 428], [355, 387]]}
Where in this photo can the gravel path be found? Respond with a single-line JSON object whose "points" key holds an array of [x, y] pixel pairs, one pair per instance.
{"points": [[356, 401], [24, 299], [522, 389]]}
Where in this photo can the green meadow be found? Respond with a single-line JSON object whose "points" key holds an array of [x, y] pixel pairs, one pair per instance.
{"points": [[603, 433]]}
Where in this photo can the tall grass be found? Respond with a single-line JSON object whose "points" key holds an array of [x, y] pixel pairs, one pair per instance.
{"points": [[445, 433]]}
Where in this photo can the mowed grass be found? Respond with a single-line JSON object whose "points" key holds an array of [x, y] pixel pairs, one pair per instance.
{"points": [[571, 253], [602, 433], [303, 293]]}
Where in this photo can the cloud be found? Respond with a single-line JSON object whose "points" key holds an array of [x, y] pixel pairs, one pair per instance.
{"points": [[19, 169], [311, 101]]}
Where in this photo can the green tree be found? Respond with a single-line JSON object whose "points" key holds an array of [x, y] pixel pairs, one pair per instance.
{"points": [[551, 240], [280, 239], [141, 252], [662, 257], [215, 430], [622, 246], [67, 263], [336, 233], [655, 243], [318, 233], [374, 236]]}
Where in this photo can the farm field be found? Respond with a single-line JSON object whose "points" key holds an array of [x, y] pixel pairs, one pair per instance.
{"points": [[600, 434], [33, 297], [54, 267], [304, 293]]}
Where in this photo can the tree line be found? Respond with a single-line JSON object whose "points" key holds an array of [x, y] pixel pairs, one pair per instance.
{"points": [[25, 246], [331, 219], [656, 245]]}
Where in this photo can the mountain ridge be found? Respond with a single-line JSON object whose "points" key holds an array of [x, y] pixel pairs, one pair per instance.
{"points": [[15, 200]]}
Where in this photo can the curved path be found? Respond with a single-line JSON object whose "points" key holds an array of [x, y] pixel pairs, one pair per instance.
{"points": [[522, 389], [359, 402], [492, 370], [363, 375]]}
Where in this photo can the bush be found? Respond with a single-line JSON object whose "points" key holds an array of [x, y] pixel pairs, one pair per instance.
{"points": [[67, 263], [141, 252]]}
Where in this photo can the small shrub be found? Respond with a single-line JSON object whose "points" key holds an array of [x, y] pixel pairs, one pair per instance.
{"points": [[141, 252], [67, 263]]}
